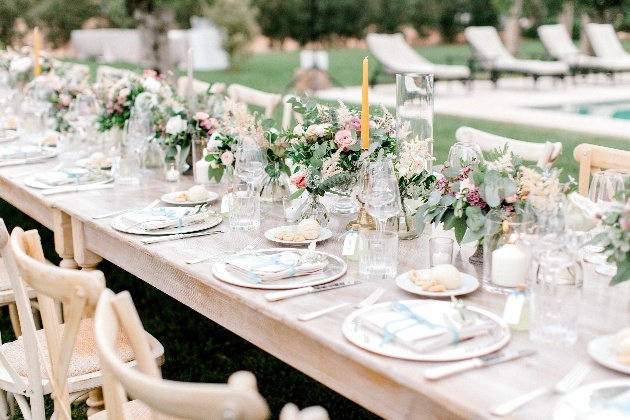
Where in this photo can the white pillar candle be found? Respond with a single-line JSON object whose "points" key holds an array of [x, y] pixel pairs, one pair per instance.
{"points": [[441, 258], [201, 171], [509, 266]]}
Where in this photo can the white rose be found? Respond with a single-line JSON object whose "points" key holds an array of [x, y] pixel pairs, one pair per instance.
{"points": [[146, 100], [298, 130], [151, 84], [311, 131], [320, 129], [176, 125], [20, 64]]}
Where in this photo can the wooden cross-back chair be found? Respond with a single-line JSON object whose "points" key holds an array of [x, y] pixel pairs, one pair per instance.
{"points": [[238, 399], [61, 359], [543, 154], [268, 101], [593, 158]]}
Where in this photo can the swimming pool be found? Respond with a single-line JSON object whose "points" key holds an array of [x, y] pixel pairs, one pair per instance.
{"points": [[620, 110]]}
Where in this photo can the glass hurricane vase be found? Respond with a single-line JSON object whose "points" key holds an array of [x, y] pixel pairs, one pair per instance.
{"points": [[346, 204], [274, 188], [312, 208]]}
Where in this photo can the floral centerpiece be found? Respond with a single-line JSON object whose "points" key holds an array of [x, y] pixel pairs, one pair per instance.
{"points": [[326, 147], [414, 180], [19, 64], [616, 239], [462, 198]]}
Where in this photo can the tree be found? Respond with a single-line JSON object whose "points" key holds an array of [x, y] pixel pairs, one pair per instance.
{"points": [[60, 17], [9, 12]]}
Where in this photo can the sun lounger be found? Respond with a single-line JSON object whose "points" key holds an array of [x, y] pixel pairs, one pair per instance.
{"points": [[559, 45], [604, 41], [492, 56], [395, 56]]}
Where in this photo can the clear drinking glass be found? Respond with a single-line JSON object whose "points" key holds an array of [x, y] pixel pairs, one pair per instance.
{"points": [[609, 186], [414, 109], [378, 254], [440, 251], [555, 297], [244, 208], [251, 160]]}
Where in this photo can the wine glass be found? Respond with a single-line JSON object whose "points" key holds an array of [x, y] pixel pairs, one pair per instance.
{"points": [[609, 186], [83, 111], [543, 222], [464, 153], [137, 132], [381, 195], [251, 161]]}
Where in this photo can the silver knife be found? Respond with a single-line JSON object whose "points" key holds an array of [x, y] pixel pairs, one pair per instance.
{"points": [[272, 297], [180, 236], [494, 358]]}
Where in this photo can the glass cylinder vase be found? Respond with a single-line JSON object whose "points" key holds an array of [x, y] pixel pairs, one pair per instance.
{"points": [[404, 223], [312, 208], [414, 110], [505, 264]]}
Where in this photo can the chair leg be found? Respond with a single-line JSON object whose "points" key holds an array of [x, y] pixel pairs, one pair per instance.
{"points": [[5, 413], [15, 319], [95, 401]]}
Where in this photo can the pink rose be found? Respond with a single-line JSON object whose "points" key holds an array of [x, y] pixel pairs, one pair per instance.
{"points": [[511, 199], [354, 123], [201, 116], [124, 92], [624, 223], [206, 124], [227, 158], [298, 179], [149, 73], [344, 139]]}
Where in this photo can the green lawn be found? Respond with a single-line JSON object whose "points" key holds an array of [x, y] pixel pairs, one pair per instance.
{"points": [[198, 349]]}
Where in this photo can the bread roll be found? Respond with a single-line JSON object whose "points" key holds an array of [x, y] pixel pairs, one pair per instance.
{"points": [[447, 275], [308, 228], [198, 193]]}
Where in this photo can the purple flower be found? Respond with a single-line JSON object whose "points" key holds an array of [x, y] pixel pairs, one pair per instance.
{"points": [[474, 199], [354, 123]]}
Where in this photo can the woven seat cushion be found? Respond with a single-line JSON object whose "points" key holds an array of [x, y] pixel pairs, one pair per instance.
{"points": [[133, 410], [84, 357]]}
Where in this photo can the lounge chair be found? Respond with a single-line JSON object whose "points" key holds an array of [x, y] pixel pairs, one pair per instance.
{"points": [[604, 41], [560, 47], [396, 56], [492, 56]]}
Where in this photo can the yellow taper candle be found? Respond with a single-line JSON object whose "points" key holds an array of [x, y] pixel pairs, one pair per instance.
{"points": [[365, 109], [36, 66]]}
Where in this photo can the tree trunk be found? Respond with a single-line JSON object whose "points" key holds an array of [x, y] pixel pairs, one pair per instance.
{"points": [[512, 29], [153, 29], [566, 16]]}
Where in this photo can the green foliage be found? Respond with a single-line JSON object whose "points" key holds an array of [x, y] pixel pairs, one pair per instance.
{"points": [[9, 12], [58, 24]]}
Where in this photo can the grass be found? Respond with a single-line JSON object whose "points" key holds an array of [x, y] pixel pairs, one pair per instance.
{"points": [[198, 349]]}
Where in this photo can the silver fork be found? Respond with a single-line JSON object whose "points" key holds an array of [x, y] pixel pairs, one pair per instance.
{"points": [[253, 244], [569, 382], [372, 298]]}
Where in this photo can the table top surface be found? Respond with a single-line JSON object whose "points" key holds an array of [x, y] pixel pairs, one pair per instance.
{"points": [[390, 387]]}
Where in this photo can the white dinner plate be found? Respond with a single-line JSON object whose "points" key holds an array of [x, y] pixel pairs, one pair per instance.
{"points": [[469, 284], [336, 268], [170, 198], [359, 329], [324, 234], [32, 181], [212, 219], [600, 349], [86, 163], [7, 135], [607, 400]]}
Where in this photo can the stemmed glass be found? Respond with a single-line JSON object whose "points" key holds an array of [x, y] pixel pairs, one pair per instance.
{"points": [[137, 132], [83, 113], [381, 195], [251, 161], [463, 153]]}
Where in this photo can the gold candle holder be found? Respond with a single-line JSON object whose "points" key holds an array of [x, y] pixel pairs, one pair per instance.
{"points": [[364, 220]]}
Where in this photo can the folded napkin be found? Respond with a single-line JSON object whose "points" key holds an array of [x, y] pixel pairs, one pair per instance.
{"points": [[273, 267], [421, 328], [162, 218], [65, 177]]}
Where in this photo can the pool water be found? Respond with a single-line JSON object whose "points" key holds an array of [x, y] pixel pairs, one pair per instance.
{"points": [[620, 110]]}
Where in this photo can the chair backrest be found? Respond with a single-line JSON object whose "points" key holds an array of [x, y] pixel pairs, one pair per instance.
{"points": [[543, 154], [288, 115], [76, 290], [394, 53], [239, 398], [486, 43], [269, 101], [593, 158], [557, 41], [604, 41], [198, 87]]}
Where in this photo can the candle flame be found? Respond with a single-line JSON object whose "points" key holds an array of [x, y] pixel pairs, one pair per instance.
{"points": [[513, 238]]}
